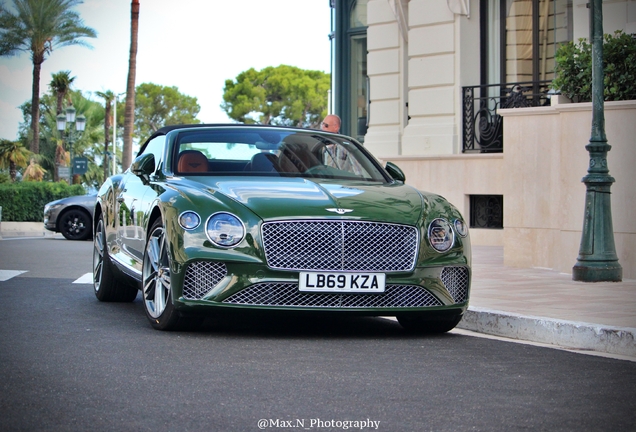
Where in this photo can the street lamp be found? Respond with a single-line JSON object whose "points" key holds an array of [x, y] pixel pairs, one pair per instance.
{"points": [[597, 260], [72, 135]]}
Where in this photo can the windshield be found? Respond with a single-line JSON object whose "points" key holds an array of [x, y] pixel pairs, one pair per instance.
{"points": [[270, 152]]}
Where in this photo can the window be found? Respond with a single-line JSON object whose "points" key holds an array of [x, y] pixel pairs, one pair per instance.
{"points": [[352, 94], [520, 37], [486, 211]]}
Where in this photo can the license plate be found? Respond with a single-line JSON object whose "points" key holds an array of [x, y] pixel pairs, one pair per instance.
{"points": [[341, 282]]}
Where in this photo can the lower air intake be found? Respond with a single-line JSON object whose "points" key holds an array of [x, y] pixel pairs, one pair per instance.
{"points": [[287, 295], [457, 282], [201, 277]]}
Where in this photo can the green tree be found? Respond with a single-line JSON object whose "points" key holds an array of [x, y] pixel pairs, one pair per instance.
{"points": [[37, 27], [129, 112], [88, 144], [13, 154], [282, 95], [157, 106]]}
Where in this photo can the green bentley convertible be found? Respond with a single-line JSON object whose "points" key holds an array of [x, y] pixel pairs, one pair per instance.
{"points": [[213, 218]]}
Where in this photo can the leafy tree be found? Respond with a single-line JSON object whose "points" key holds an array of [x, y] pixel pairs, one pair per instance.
{"points": [[282, 95], [13, 154], [88, 144], [129, 113], [37, 27], [157, 106]]}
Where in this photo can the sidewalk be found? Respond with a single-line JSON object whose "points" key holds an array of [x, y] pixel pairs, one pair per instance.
{"points": [[535, 305], [24, 229], [545, 306]]}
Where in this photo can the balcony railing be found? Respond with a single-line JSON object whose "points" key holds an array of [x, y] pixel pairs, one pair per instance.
{"points": [[482, 126]]}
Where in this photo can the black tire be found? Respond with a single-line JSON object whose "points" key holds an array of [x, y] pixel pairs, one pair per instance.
{"points": [[106, 286], [75, 224], [421, 324], [156, 286]]}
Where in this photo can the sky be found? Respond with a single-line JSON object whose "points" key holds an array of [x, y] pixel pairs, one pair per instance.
{"points": [[194, 45]]}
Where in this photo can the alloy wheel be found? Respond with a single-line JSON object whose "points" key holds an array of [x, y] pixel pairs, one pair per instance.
{"points": [[156, 274], [98, 256]]}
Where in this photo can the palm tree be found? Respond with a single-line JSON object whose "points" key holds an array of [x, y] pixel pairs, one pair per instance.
{"points": [[61, 84], [34, 172], [129, 113], [13, 154], [38, 27], [108, 97]]}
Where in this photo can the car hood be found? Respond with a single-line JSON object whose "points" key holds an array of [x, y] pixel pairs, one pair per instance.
{"points": [[319, 198]]}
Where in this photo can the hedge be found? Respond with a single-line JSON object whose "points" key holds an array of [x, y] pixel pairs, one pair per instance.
{"points": [[24, 201], [573, 68]]}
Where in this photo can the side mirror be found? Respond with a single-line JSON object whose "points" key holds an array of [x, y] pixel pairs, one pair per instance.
{"points": [[143, 166], [395, 172]]}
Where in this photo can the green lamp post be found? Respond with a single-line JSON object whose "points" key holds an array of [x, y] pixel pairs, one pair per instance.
{"points": [[72, 135], [597, 260]]}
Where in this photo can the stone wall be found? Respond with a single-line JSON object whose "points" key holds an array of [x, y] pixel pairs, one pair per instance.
{"points": [[544, 162]]}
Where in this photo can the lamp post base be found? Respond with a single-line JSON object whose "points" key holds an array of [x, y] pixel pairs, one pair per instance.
{"points": [[597, 271]]}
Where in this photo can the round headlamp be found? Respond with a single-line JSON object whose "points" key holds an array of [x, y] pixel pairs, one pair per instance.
{"points": [[225, 229], [461, 228], [189, 220], [441, 235]]}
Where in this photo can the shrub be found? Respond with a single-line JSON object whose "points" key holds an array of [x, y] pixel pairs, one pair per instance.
{"points": [[573, 68], [24, 201]]}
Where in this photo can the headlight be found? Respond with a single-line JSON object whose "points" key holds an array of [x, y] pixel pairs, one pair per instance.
{"points": [[441, 235], [225, 229], [51, 207], [461, 228], [189, 220]]}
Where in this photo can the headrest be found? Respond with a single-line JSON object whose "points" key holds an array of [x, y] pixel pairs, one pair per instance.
{"points": [[192, 161]]}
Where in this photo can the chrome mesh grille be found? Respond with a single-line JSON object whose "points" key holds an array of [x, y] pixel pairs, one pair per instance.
{"points": [[457, 282], [201, 277], [287, 294], [340, 245]]}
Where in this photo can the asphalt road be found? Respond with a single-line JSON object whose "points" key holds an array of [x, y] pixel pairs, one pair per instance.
{"points": [[69, 362]]}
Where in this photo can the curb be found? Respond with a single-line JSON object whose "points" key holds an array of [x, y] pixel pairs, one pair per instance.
{"points": [[24, 229], [567, 334]]}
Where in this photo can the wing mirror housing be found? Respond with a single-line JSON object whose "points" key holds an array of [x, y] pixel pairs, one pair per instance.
{"points": [[143, 166], [395, 172]]}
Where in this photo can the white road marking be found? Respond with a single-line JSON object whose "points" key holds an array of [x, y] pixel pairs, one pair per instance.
{"points": [[86, 279], [5, 275]]}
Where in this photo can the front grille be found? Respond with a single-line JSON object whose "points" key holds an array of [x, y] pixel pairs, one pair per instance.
{"points": [[457, 282], [201, 277], [287, 295], [340, 245]]}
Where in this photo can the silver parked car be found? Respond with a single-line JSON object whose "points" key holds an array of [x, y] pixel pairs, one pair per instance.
{"points": [[71, 216]]}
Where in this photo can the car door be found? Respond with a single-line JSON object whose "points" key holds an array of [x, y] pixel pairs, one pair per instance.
{"points": [[134, 199]]}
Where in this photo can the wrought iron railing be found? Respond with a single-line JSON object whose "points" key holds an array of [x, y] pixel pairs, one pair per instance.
{"points": [[482, 126]]}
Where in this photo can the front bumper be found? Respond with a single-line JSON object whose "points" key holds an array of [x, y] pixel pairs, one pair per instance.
{"points": [[438, 289]]}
